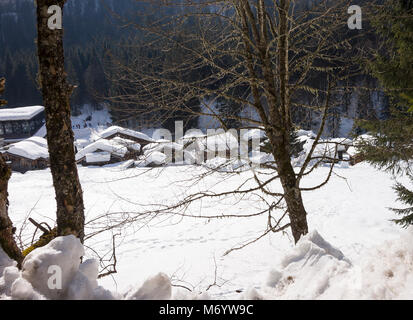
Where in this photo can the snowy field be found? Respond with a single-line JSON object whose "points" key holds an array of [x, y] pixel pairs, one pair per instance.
{"points": [[368, 259]]}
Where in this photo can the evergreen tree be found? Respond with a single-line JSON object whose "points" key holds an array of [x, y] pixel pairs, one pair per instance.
{"points": [[391, 146], [405, 196]]}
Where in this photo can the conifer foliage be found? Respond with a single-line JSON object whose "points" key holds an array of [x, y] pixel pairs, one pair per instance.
{"points": [[391, 145]]}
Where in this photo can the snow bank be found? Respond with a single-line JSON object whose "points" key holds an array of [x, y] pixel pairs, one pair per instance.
{"points": [[308, 271], [387, 272], [316, 270], [60, 257], [156, 288], [55, 271]]}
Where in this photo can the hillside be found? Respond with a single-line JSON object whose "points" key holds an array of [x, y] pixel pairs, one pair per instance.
{"points": [[92, 31]]}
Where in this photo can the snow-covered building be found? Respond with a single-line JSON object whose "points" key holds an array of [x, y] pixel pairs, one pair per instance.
{"points": [[106, 151], [223, 145], [169, 149], [29, 154], [17, 124], [119, 132]]}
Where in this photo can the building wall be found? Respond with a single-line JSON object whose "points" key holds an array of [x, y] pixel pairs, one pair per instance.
{"points": [[21, 129], [21, 164]]}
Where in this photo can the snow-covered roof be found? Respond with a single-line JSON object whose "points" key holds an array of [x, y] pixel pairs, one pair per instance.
{"points": [[162, 147], [81, 143], [115, 129], [327, 148], [23, 113], [103, 145], [130, 144], [33, 148], [153, 158], [38, 140]]}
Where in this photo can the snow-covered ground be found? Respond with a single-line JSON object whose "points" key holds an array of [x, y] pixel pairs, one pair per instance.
{"points": [[370, 260]]}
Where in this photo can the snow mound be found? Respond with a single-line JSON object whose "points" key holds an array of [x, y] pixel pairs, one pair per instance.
{"points": [[387, 272], [306, 272], [55, 271], [156, 288], [63, 253], [316, 270]]}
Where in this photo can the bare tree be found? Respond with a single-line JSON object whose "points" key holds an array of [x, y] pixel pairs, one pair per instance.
{"points": [[263, 55], [56, 93]]}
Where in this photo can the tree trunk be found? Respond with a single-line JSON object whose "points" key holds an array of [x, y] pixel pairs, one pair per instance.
{"points": [[7, 241], [292, 192], [281, 143], [56, 93]]}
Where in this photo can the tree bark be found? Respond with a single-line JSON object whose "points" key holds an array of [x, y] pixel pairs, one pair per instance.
{"points": [[7, 241], [56, 93], [281, 140], [292, 192]]}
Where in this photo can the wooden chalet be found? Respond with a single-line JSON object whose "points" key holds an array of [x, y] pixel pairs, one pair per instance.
{"points": [[127, 134], [17, 124], [26, 155], [104, 151]]}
